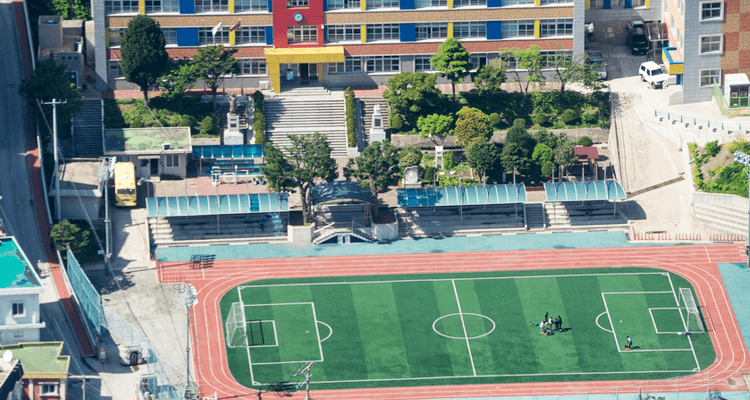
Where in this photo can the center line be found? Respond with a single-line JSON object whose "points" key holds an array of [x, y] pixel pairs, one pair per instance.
{"points": [[466, 334]]}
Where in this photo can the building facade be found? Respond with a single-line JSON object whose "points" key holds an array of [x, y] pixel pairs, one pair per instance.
{"points": [[337, 42], [20, 289], [45, 369], [709, 39]]}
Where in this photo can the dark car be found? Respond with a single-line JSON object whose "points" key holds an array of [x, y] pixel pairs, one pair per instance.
{"points": [[638, 37]]}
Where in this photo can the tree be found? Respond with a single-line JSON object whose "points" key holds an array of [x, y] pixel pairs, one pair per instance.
{"points": [[567, 69], [213, 63], [308, 163], [435, 126], [378, 164], [179, 79], [546, 137], [518, 150], [47, 83], [411, 94], [65, 233], [409, 157], [529, 59], [452, 62], [488, 78], [144, 58], [519, 134], [472, 125], [542, 153], [548, 168], [585, 141], [564, 154], [482, 156]]}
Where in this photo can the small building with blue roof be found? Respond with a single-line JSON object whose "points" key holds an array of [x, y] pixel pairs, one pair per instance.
{"points": [[20, 289]]}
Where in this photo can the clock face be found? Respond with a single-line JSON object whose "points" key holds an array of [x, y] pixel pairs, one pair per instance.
{"points": [[298, 17]]}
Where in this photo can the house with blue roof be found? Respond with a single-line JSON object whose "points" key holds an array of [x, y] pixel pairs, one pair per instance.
{"points": [[20, 289]]}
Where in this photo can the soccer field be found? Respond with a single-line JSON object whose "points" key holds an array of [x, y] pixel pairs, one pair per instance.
{"points": [[408, 330]]}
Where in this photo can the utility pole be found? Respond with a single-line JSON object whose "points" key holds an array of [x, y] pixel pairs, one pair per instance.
{"points": [[186, 294], [54, 103]]}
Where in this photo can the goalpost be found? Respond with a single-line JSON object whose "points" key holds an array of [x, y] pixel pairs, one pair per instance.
{"points": [[687, 303], [236, 329]]}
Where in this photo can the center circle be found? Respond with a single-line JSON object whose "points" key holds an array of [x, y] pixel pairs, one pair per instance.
{"points": [[472, 326]]}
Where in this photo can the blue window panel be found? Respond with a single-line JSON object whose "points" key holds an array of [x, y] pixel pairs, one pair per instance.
{"points": [[494, 30], [269, 31], [407, 32], [187, 37], [494, 3], [325, 5], [406, 4], [325, 31], [628, 3], [607, 4], [679, 79], [187, 6], [270, 6]]}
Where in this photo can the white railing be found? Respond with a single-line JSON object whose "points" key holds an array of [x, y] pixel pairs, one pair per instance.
{"points": [[702, 122]]}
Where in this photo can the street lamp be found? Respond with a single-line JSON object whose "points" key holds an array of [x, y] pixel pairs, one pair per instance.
{"points": [[744, 159]]}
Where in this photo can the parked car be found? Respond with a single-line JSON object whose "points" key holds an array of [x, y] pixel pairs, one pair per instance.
{"points": [[652, 73], [597, 62], [638, 37]]}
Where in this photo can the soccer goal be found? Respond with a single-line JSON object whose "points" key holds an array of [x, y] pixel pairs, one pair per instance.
{"points": [[687, 303], [236, 328]]}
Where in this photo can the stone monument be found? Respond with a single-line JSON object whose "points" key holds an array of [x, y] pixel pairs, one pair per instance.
{"points": [[232, 134], [411, 178], [377, 133]]}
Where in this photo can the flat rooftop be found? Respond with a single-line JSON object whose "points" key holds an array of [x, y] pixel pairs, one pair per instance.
{"points": [[15, 271], [41, 360], [146, 140], [80, 175]]}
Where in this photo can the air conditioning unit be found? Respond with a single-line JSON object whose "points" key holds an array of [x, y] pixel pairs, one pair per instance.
{"points": [[263, 85], [166, 146]]}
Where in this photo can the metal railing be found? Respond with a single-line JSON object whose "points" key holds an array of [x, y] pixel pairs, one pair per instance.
{"points": [[702, 122], [343, 227]]}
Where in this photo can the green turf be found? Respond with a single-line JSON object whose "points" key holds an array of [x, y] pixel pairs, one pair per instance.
{"points": [[411, 330]]}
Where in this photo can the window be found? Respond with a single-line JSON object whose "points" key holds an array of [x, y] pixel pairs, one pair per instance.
{"points": [[342, 33], [681, 7], [430, 3], [639, 3], [477, 61], [596, 4], [465, 30], [549, 57], [115, 36], [206, 36], [434, 30], [170, 35], [250, 5], [381, 4], [343, 4], [382, 32], [162, 6], [250, 34], [709, 76], [557, 27], [509, 62], [349, 66], [49, 389], [544, 2], [517, 28], [115, 70], [422, 64], [173, 160], [302, 33], [518, 2], [18, 334], [18, 310], [710, 44], [465, 3], [253, 66], [204, 6], [711, 10], [383, 64], [120, 6], [297, 3]]}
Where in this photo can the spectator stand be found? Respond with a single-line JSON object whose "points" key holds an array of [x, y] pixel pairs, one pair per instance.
{"points": [[581, 203], [342, 211]]}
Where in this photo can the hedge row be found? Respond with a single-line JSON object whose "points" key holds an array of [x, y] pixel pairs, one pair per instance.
{"points": [[259, 118], [351, 117]]}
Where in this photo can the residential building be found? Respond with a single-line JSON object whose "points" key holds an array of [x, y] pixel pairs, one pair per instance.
{"points": [[62, 41], [45, 369], [20, 289], [11, 385], [709, 39], [154, 151], [337, 42]]}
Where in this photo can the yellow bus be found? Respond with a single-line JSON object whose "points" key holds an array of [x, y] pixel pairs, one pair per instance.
{"points": [[125, 184]]}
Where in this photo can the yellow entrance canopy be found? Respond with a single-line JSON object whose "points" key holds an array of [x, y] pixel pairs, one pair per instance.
{"points": [[317, 55]]}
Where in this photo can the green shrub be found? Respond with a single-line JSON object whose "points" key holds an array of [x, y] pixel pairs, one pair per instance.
{"points": [[585, 141], [209, 126], [257, 95], [259, 126], [186, 120], [136, 124], [409, 157], [351, 117], [448, 160], [539, 119], [712, 148], [260, 137], [396, 122], [589, 114], [568, 116], [548, 168], [429, 175], [495, 120], [519, 121], [739, 145]]}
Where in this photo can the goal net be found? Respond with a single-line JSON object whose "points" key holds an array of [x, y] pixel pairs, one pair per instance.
{"points": [[687, 303], [236, 329]]}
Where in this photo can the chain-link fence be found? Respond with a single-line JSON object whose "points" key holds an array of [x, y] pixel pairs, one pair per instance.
{"points": [[159, 383], [88, 297]]}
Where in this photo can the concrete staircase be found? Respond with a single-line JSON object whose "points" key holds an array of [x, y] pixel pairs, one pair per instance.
{"points": [[448, 221], [723, 218], [304, 111], [536, 216], [88, 125], [367, 105], [251, 228]]}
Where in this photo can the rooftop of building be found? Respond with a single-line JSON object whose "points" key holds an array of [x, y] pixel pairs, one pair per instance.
{"points": [[15, 270], [146, 140], [7, 370], [41, 360], [586, 153], [81, 176]]}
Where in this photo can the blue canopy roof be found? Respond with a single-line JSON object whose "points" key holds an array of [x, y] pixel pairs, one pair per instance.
{"points": [[229, 152], [339, 190], [212, 205], [461, 195], [584, 191]]}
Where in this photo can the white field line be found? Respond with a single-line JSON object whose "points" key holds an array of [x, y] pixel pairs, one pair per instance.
{"points": [[610, 322], [466, 334], [654, 320], [288, 362], [317, 332], [278, 304], [673, 291], [654, 292], [244, 328], [684, 324], [275, 335], [601, 327]]}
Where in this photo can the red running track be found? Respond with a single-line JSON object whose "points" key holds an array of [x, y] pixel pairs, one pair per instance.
{"points": [[696, 263]]}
